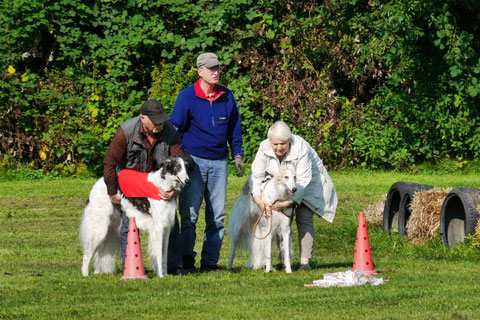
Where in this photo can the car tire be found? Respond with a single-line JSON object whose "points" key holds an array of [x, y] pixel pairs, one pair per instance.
{"points": [[459, 215], [397, 206]]}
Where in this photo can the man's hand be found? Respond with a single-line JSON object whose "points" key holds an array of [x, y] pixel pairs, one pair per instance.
{"points": [[168, 195], [239, 166], [115, 199]]}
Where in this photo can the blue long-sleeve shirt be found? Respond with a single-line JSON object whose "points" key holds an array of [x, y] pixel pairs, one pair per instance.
{"points": [[206, 127]]}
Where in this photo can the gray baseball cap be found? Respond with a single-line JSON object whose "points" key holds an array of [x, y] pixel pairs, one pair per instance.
{"points": [[154, 110], [208, 60]]}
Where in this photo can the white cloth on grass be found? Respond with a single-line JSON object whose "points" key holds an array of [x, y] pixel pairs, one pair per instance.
{"points": [[346, 279]]}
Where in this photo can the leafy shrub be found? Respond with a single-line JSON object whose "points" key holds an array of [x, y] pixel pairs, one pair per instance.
{"points": [[377, 84]]}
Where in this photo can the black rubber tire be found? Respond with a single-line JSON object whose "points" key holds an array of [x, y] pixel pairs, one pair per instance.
{"points": [[397, 211], [459, 215]]}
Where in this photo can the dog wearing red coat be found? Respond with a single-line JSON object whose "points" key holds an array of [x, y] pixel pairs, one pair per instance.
{"points": [[101, 221]]}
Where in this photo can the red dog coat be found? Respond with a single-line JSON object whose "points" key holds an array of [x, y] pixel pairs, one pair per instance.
{"points": [[134, 184]]}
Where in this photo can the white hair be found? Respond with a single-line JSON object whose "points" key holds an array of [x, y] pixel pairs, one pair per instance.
{"points": [[279, 130]]}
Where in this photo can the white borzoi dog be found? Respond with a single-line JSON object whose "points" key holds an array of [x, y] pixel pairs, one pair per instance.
{"points": [[245, 218], [101, 221]]}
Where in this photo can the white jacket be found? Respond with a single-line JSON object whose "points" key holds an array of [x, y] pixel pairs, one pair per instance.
{"points": [[315, 189]]}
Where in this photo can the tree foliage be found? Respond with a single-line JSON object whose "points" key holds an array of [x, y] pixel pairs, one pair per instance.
{"points": [[370, 83]]}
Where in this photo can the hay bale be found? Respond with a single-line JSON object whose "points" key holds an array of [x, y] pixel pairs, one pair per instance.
{"points": [[477, 228], [374, 212], [425, 207]]}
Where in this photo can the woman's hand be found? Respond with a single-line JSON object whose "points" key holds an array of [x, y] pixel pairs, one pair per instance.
{"points": [[280, 205], [259, 201], [267, 208]]}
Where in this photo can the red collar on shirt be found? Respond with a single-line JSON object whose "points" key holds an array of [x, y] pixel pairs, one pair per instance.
{"points": [[217, 92]]}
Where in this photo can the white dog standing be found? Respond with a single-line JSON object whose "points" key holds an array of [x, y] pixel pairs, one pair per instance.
{"points": [[247, 229], [101, 221]]}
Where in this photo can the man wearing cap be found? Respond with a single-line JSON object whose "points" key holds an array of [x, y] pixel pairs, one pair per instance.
{"points": [[143, 143], [207, 119]]}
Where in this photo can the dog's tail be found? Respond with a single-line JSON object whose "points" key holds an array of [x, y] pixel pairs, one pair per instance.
{"points": [[246, 188]]}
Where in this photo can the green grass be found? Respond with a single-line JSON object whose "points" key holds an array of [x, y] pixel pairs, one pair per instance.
{"points": [[40, 260]]}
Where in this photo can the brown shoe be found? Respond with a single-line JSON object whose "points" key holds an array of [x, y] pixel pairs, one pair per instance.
{"points": [[304, 267]]}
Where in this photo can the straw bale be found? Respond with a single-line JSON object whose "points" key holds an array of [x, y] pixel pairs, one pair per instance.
{"points": [[477, 228], [374, 212], [425, 207]]}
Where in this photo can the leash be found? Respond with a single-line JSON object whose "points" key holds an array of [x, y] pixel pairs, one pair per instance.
{"points": [[258, 220], [263, 214], [271, 223]]}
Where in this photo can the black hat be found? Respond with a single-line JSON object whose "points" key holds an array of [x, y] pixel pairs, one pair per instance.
{"points": [[154, 110]]}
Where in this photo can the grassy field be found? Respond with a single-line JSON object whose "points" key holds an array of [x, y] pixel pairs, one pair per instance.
{"points": [[40, 260]]}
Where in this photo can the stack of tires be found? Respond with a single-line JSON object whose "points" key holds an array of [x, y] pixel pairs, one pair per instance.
{"points": [[458, 217]]}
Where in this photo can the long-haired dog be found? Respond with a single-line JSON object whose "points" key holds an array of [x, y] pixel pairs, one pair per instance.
{"points": [[250, 229], [101, 221]]}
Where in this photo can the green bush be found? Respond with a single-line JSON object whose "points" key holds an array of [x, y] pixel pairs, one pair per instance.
{"points": [[377, 84]]}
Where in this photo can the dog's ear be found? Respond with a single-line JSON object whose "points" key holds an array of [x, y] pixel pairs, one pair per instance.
{"points": [[189, 162], [169, 165], [266, 179]]}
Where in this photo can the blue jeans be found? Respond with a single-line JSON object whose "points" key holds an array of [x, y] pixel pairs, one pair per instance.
{"points": [[208, 181]]}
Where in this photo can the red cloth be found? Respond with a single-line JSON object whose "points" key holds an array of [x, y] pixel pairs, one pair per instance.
{"points": [[134, 184]]}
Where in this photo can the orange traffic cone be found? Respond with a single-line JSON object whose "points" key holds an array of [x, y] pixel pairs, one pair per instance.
{"points": [[362, 259], [133, 257]]}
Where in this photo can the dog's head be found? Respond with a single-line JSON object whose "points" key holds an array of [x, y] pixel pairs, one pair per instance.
{"points": [[287, 178], [174, 174]]}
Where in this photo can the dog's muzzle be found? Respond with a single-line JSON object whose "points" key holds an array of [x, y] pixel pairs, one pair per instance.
{"points": [[183, 184]]}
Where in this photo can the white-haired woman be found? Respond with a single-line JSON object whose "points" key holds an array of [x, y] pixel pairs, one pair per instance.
{"points": [[315, 190]]}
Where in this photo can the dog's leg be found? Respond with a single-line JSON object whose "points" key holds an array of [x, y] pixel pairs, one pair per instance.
{"points": [[164, 257], [87, 257], [234, 233], [232, 256], [92, 235], [87, 237], [286, 251], [278, 240], [89, 247], [104, 260], [110, 247], [153, 249], [256, 259], [268, 253]]}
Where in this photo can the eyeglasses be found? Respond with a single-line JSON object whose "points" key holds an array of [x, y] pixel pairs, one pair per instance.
{"points": [[157, 127], [213, 69]]}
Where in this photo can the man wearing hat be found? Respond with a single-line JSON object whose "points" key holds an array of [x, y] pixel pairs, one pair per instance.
{"points": [[143, 143], [208, 121]]}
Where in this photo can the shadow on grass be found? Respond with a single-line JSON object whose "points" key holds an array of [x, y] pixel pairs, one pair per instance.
{"points": [[331, 265]]}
